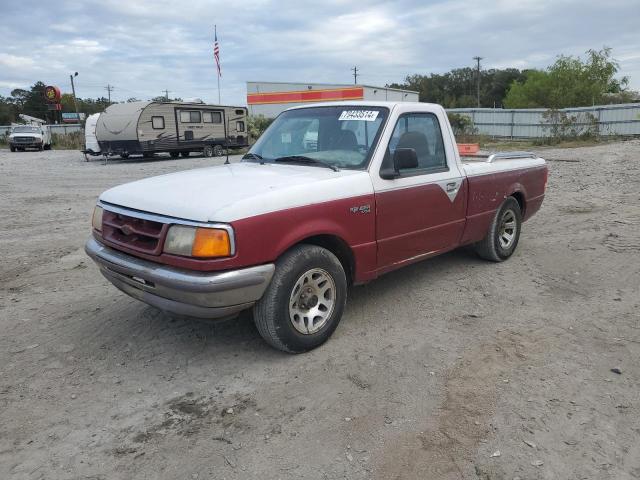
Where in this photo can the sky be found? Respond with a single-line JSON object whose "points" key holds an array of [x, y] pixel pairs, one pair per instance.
{"points": [[143, 47]]}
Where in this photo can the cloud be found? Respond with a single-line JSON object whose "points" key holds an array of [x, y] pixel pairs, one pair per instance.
{"points": [[144, 47]]}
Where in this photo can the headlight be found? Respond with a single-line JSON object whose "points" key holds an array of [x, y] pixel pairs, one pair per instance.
{"points": [[96, 221], [197, 242]]}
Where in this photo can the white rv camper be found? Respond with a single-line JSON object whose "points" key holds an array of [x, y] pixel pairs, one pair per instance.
{"points": [[174, 127]]}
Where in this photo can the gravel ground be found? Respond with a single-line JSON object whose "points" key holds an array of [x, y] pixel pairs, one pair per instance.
{"points": [[451, 368]]}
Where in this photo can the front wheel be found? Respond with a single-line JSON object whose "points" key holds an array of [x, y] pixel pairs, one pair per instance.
{"points": [[217, 151], [504, 232], [12, 148], [208, 151], [304, 302]]}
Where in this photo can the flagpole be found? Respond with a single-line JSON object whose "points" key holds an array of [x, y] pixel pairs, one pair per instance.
{"points": [[215, 29]]}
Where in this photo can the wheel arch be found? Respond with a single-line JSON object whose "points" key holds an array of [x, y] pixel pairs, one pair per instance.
{"points": [[336, 245], [520, 198]]}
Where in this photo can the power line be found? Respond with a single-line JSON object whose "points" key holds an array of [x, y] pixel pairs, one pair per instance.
{"points": [[478, 74], [355, 75]]}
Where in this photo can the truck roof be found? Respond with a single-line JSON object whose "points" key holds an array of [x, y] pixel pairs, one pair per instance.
{"points": [[364, 103]]}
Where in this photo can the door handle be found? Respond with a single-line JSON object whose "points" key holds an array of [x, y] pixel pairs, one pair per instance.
{"points": [[451, 187]]}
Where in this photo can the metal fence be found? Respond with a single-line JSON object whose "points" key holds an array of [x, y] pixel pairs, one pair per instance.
{"points": [[623, 119], [56, 129]]}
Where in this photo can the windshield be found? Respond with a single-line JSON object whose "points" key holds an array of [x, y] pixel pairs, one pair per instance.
{"points": [[341, 136], [26, 129]]}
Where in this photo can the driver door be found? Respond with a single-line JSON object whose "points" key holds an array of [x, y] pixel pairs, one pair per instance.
{"points": [[422, 212]]}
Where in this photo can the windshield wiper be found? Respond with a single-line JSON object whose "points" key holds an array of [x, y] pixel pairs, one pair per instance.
{"points": [[306, 160], [253, 156]]}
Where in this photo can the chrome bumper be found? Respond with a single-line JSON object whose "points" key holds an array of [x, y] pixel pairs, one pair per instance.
{"points": [[187, 292]]}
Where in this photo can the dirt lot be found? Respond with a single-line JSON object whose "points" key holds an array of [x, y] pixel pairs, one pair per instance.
{"points": [[452, 368]]}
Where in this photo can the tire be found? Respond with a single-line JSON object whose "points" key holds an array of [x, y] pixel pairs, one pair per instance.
{"points": [[126, 155], [174, 154], [12, 148], [501, 242], [274, 313], [208, 151], [217, 151], [185, 154], [47, 147]]}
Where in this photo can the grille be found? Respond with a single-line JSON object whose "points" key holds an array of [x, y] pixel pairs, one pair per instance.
{"points": [[134, 233], [24, 139]]}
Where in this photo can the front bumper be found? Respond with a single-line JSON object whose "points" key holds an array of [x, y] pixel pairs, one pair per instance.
{"points": [[186, 292]]}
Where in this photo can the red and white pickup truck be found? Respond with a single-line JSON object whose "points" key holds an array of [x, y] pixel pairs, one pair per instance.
{"points": [[287, 230]]}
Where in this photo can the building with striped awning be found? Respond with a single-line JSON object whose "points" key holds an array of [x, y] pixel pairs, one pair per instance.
{"points": [[271, 98]]}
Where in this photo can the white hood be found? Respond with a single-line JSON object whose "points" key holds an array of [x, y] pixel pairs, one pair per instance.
{"points": [[230, 192]]}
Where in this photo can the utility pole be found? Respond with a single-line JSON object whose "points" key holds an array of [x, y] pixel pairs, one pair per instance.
{"points": [[355, 75], [166, 94], [109, 88], [478, 70], [75, 101]]}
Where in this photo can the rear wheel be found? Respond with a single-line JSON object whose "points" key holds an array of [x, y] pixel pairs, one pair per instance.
{"points": [[174, 154], [126, 155], [304, 302], [217, 151], [185, 154], [504, 233]]}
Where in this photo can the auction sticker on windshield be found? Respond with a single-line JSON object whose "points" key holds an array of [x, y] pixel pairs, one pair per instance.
{"points": [[366, 115]]}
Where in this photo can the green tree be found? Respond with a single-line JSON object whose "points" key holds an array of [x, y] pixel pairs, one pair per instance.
{"points": [[458, 87], [569, 82], [7, 111]]}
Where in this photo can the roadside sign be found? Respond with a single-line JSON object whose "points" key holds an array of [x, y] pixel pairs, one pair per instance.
{"points": [[72, 117]]}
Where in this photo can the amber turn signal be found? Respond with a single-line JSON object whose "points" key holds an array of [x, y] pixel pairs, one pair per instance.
{"points": [[211, 242]]}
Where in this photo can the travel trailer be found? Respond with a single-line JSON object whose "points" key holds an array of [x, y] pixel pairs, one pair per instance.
{"points": [[178, 128]]}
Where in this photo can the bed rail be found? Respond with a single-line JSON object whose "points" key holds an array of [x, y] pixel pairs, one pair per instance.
{"points": [[510, 156]]}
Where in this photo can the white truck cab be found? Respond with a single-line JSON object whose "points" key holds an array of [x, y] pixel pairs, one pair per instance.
{"points": [[30, 136]]}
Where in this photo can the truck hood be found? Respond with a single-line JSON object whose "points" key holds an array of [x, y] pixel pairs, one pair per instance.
{"points": [[226, 193]]}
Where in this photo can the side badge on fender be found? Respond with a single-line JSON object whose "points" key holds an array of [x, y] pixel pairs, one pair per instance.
{"points": [[361, 209]]}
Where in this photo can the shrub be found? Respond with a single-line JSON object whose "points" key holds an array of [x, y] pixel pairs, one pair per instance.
{"points": [[561, 126], [69, 141], [463, 127], [257, 124]]}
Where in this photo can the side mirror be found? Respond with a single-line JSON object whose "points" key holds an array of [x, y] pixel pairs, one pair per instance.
{"points": [[402, 158]]}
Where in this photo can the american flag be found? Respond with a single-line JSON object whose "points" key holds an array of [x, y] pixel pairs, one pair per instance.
{"points": [[216, 52]]}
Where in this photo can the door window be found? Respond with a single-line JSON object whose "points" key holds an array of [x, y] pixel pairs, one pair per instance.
{"points": [[420, 132]]}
